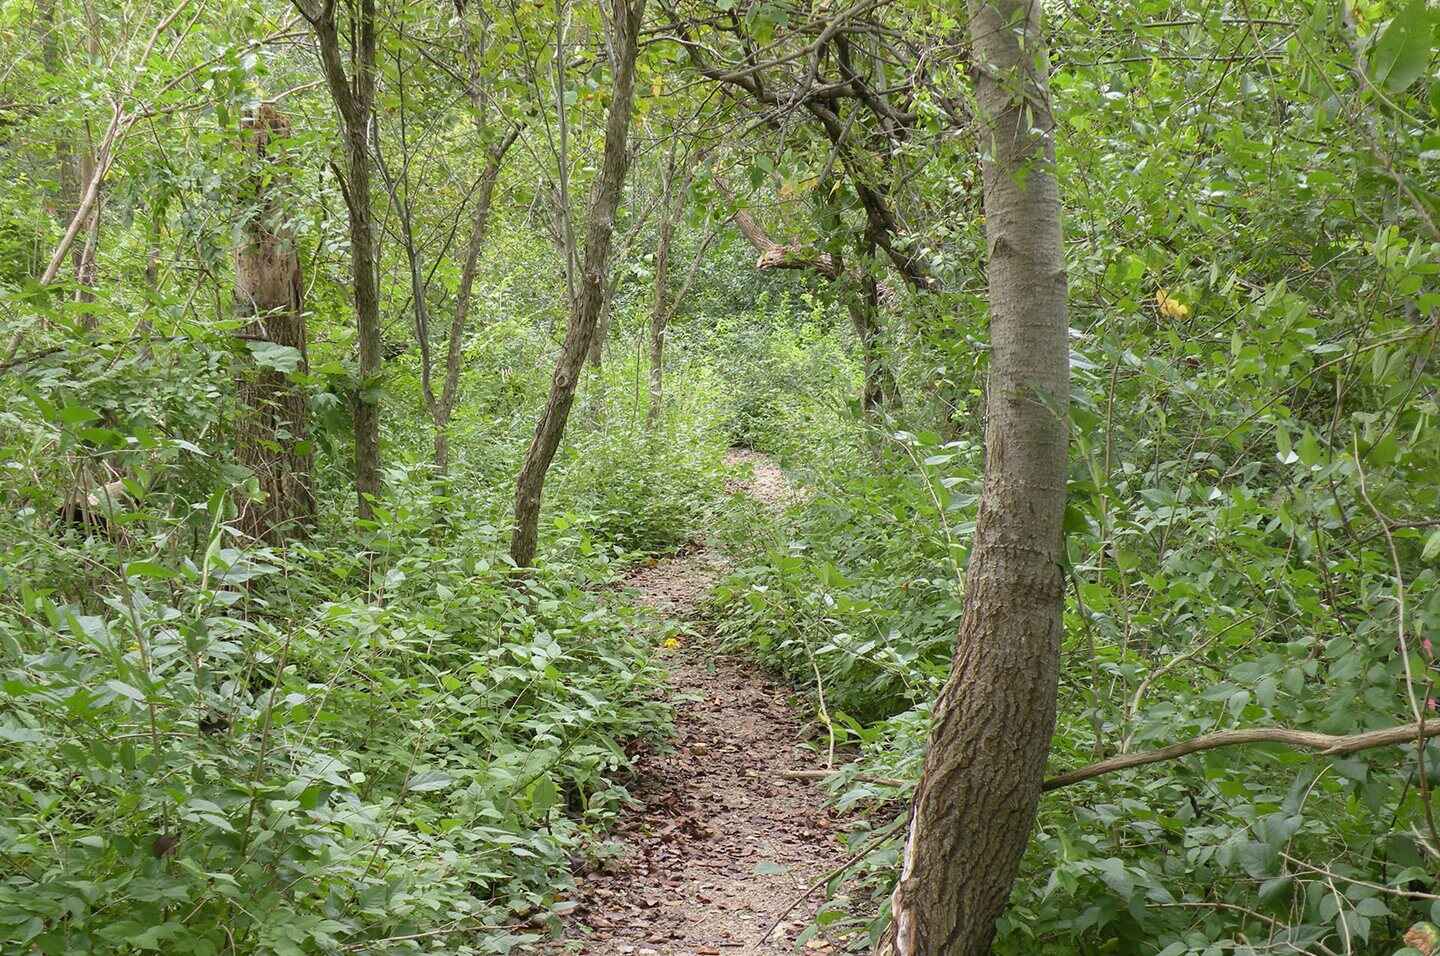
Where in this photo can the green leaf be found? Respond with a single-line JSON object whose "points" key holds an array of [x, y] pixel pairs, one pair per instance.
{"points": [[77, 415], [148, 569], [1273, 888], [1402, 52], [543, 795], [769, 868], [1432, 546], [120, 687], [282, 358], [430, 780]]}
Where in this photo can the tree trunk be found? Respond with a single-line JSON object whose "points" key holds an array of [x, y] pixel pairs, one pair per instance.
{"points": [[597, 355], [86, 268], [660, 313], [272, 436], [354, 99], [73, 168], [880, 390], [605, 199], [455, 346], [977, 796], [367, 321]]}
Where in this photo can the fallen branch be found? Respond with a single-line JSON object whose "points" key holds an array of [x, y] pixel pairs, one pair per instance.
{"points": [[1327, 745]]}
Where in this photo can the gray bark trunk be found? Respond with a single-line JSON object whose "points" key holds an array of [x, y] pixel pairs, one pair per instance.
{"points": [[444, 407], [977, 796], [272, 434], [530, 484]]}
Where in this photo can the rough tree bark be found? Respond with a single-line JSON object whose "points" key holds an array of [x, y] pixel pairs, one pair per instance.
{"points": [[272, 437], [600, 228], [596, 360], [354, 98], [976, 799]]}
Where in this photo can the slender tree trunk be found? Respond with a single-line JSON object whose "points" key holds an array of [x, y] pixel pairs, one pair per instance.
{"points": [[880, 390], [73, 167], [84, 256], [977, 796], [455, 347], [272, 433], [367, 322], [605, 199], [660, 312], [354, 99], [597, 355]]}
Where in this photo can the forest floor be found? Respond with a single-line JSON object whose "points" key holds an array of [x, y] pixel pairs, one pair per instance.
{"points": [[721, 845]]}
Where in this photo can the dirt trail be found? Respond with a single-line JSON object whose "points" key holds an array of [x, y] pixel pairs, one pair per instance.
{"points": [[722, 845]]}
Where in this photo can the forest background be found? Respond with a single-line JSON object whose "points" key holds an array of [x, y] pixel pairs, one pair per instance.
{"points": [[285, 289]]}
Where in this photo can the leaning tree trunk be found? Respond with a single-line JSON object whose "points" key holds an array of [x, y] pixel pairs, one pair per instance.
{"points": [[272, 436], [977, 796], [605, 199], [444, 407]]}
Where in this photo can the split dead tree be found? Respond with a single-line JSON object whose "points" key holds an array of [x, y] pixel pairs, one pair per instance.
{"points": [[588, 301], [271, 432]]}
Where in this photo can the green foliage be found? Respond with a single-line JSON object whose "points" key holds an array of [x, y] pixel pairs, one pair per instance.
{"points": [[379, 739], [784, 368], [218, 747]]}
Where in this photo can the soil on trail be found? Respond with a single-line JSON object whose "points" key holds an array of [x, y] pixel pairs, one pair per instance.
{"points": [[722, 845]]}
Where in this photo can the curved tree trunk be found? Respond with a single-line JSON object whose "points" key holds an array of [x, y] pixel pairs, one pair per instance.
{"points": [[272, 437], [976, 800], [449, 396], [605, 199]]}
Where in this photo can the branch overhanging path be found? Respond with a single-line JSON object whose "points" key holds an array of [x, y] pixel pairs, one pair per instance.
{"points": [[722, 846]]}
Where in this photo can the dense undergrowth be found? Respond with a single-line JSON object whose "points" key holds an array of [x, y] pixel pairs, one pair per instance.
{"points": [[1229, 567], [379, 744]]}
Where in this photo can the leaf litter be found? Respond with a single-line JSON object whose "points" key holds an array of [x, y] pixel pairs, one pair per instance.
{"points": [[720, 845]]}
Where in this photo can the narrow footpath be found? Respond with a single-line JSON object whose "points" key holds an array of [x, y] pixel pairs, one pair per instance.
{"points": [[722, 845]]}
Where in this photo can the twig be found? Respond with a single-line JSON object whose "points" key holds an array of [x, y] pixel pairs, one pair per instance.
{"points": [[826, 774], [880, 837]]}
